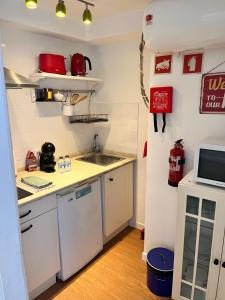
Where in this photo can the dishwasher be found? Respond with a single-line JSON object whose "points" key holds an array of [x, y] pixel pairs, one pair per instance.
{"points": [[80, 226]]}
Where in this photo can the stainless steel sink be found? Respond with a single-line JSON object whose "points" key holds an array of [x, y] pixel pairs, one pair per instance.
{"points": [[21, 193], [101, 159]]}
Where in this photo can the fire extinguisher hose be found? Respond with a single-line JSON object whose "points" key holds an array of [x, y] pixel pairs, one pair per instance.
{"points": [[155, 122], [164, 122]]}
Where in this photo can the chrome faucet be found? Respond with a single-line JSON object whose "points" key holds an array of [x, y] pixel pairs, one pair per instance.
{"points": [[96, 147]]}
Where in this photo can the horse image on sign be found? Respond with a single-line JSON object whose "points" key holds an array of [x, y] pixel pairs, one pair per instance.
{"points": [[163, 64]]}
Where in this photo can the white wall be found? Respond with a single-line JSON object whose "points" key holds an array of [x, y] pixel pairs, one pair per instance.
{"points": [[185, 122], [34, 123], [127, 131]]}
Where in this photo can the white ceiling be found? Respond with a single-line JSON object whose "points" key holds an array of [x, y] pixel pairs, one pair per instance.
{"points": [[112, 19], [102, 9]]}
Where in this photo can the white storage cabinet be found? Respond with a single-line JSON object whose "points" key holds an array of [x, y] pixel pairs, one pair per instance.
{"points": [[40, 244], [199, 270], [117, 198]]}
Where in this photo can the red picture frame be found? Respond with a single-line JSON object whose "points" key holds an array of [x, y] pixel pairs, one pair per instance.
{"points": [[212, 100]]}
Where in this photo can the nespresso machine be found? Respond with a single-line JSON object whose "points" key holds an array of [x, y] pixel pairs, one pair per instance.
{"points": [[47, 158]]}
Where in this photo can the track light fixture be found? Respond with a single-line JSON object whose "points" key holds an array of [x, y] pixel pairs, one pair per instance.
{"points": [[31, 4], [61, 9], [87, 16]]}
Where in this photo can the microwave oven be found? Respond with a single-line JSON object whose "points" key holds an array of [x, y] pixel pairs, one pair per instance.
{"points": [[209, 163]]}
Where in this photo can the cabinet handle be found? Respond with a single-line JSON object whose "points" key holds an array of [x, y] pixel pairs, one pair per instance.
{"points": [[216, 262], [71, 199], [223, 264], [26, 214], [111, 179], [65, 193], [26, 229]]}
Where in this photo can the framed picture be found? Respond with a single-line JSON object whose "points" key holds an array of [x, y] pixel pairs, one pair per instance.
{"points": [[192, 63], [163, 64], [213, 94]]}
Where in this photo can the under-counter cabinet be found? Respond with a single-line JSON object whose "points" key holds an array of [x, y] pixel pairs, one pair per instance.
{"points": [[117, 187], [40, 244], [199, 270]]}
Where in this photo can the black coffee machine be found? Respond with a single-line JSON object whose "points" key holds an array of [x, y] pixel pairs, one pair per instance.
{"points": [[47, 159]]}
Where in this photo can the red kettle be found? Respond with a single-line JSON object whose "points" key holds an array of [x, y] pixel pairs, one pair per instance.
{"points": [[78, 64]]}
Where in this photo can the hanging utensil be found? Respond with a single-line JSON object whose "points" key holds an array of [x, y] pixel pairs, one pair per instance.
{"points": [[79, 99], [73, 98]]}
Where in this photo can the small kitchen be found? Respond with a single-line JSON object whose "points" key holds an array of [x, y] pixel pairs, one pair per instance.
{"points": [[88, 153], [44, 125]]}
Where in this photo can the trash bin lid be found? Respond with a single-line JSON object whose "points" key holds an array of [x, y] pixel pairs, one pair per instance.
{"points": [[161, 259]]}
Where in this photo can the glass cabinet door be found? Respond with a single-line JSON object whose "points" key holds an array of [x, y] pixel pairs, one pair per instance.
{"points": [[198, 235]]}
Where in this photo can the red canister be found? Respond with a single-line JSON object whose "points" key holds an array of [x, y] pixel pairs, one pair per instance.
{"points": [[52, 63]]}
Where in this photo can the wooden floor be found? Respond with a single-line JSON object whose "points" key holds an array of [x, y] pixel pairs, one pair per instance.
{"points": [[118, 273]]}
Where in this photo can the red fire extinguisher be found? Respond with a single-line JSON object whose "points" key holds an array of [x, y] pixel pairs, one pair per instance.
{"points": [[176, 161]]}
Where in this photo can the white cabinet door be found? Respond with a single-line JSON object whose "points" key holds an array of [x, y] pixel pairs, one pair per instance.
{"points": [[221, 284], [199, 243], [40, 248], [80, 227], [117, 198]]}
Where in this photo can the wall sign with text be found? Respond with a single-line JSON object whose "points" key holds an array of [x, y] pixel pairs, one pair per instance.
{"points": [[192, 63], [213, 93], [163, 64]]}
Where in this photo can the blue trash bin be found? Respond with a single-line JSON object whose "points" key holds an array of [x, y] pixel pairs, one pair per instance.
{"points": [[160, 271]]}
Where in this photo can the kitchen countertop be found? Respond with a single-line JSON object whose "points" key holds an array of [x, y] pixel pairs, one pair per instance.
{"points": [[80, 171]]}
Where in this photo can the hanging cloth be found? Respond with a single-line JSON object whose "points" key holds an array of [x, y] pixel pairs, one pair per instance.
{"points": [[161, 102]]}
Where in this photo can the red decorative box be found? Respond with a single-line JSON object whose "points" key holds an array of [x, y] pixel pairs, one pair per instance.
{"points": [[161, 99]]}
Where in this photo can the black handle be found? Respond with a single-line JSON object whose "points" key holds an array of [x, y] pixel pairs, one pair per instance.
{"points": [[164, 122], [26, 229], [71, 199], [216, 262], [155, 122], [110, 179], [89, 62], [223, 264], [26, 214]]}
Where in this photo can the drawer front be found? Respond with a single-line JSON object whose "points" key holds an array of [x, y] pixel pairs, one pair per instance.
{"points": [[36, 208]]}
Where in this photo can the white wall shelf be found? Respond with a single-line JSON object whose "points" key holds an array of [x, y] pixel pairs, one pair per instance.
{"points": [[72, 82]]}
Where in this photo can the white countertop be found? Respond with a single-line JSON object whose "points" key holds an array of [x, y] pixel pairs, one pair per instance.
{"points": [[80, 171]]}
